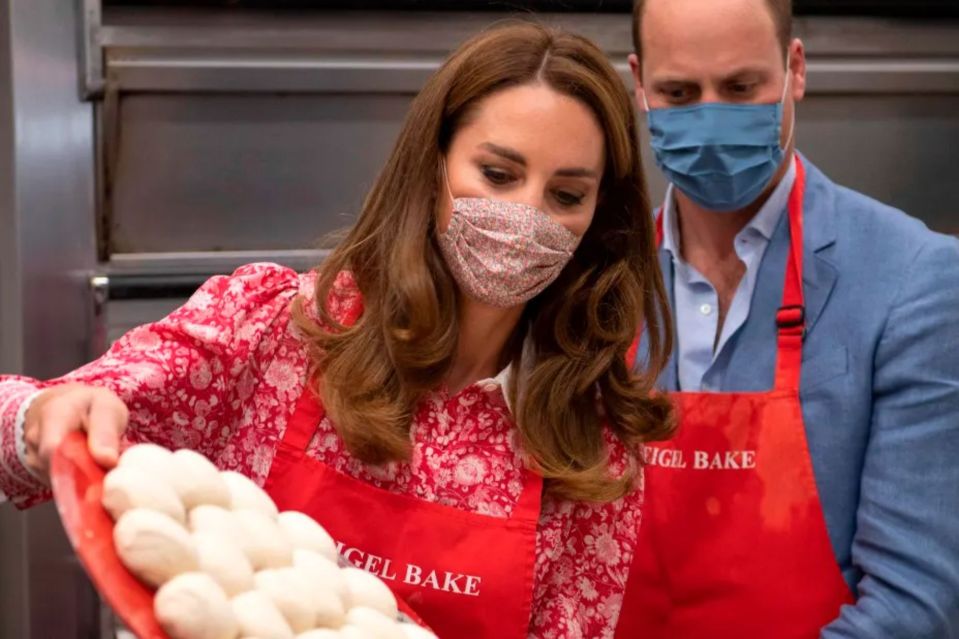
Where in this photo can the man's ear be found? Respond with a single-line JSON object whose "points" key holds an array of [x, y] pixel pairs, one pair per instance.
{"points": [[638, 91], [797, 67]]}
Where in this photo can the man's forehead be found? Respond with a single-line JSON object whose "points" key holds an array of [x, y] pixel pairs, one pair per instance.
{"points": [[708, 37]]}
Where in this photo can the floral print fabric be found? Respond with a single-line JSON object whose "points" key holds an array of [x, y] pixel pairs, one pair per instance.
{"points": [[221, 375]]}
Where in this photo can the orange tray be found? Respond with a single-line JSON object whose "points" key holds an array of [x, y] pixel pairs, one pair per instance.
{"points": [[77, 488]]}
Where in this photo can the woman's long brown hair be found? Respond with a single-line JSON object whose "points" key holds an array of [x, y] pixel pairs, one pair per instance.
{"points": [[371, 375]]}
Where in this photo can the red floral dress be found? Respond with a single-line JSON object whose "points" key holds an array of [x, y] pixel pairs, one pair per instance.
{"points": [[221, 375]]}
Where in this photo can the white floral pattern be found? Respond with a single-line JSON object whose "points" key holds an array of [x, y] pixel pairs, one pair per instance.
{"points": [[222, 374]]}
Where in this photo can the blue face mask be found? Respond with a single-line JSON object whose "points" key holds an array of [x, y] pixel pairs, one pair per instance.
{"points": [[722, 156]]}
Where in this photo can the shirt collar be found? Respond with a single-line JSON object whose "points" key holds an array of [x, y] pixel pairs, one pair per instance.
{"points": [[764, 222], [498, 384]]}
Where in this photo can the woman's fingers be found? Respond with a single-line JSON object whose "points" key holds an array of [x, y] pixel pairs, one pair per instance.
{"points": [[105, 423], [58, 411]]}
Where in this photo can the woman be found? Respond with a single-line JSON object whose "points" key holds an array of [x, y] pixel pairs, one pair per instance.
{"points": [[449, 394]]}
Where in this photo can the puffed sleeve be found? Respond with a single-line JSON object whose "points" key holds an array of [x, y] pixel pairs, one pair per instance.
{"points": [[197, 360]]}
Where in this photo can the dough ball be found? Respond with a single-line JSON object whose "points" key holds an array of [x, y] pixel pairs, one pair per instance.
{"points": [[216, 520], [328, 608], [127, 487], [193, 606], [306, 534], [321, 572], [352, 632], [197, 480], [264, 542], [292, 595], [258, 616], [366, 590], [319, 633], [413, 631], [221, 558], [155, 460], [375, 623], [153, 547], [246, 495]]}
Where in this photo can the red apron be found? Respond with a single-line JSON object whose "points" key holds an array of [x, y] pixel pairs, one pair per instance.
{"points": [[733, 541], [465, 575]]}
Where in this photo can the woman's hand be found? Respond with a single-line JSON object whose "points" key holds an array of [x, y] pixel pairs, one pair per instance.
{"points": [[57, 411]]}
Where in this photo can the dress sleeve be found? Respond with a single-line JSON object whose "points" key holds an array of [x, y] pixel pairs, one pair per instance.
{"points": [[184, 378]]}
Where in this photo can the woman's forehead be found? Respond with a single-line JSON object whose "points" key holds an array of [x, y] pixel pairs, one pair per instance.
{"points": [[538, 122]]}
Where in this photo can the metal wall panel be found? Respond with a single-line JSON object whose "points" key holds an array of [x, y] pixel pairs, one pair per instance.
{"points": [[47, 253], [248, 131], [215, 172]]}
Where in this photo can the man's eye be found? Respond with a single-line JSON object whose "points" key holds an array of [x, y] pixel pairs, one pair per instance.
{"points": [[496, 176]]}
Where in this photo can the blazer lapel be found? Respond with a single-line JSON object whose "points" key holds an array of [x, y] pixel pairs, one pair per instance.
{"points": [[819, 272]]}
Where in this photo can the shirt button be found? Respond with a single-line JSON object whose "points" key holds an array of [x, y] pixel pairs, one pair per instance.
{"points": [[489, 387], [706, 309]]}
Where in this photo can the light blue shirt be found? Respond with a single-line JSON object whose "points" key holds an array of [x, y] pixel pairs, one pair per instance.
{"points": [[695, 301]]}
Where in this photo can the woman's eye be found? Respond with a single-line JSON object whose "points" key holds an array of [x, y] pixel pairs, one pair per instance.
{"points": [[496, 176], [565, 198]]}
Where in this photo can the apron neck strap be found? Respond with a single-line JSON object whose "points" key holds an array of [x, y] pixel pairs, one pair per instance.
{"points": [[309, 412], [302, 425], [791, 316]]}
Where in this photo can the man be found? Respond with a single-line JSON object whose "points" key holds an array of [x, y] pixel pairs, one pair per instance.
{"points": [[813, 487]]}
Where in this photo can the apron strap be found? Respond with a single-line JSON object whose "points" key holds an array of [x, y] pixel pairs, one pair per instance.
{"points": [[791, 316], [301, 427], [530, 501]]}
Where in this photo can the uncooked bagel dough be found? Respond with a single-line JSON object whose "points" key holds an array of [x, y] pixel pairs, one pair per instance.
{"points": [[193, 606], [352, 632], [413, 631], [155, 460], [197, 481], [319, 570], [258, 616], [218, 521], [130, 486], [366, 590], [328, 608], [319, 633], [375, 623], [306, 534], [153, 547], [246, 495], [292, 595], [221, 558], [264, 542]]}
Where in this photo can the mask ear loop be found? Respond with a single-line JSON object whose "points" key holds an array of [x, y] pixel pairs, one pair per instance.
{"points": [[446, 181], [792, 125]]}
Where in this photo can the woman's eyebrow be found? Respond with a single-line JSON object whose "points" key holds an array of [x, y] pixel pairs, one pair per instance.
{"points": [[517, 157], [577, 172], [506, 152]]}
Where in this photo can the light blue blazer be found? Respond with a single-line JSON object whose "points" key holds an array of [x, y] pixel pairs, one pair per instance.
{"points": [[880, 398]]}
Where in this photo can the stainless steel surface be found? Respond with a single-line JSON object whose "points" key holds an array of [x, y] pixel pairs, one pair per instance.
{"points": [[203, 263], [46, 255], [202, 172], [89, 22], [222, 122]]}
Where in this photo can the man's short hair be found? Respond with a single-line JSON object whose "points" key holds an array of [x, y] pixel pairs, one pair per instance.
{"points": [[781, 10]]}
